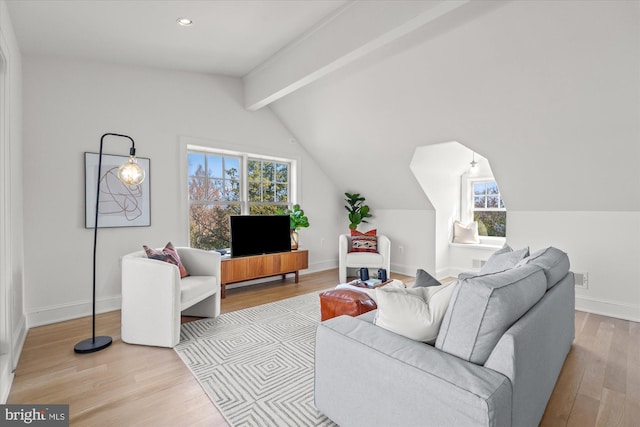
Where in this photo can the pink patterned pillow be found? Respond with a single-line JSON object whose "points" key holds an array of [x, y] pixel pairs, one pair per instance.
{"points": [[168, 254]]}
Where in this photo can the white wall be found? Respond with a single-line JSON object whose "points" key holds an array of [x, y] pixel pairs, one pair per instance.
{"points": [[602, 244], [68, 105], [12, 315], [412, 235]]}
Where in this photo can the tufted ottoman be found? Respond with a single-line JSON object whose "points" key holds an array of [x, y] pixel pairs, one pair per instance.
{"points": [[336, 302]]}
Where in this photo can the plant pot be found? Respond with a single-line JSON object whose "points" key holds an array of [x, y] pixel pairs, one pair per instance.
{"points": [[294, 239]]}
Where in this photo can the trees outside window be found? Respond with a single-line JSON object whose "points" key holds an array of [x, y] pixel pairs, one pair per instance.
{"points": [[221, 185], [488, 209], [268, 186]]}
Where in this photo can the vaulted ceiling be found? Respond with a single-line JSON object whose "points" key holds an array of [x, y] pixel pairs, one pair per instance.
{"points": [[547, 91]]}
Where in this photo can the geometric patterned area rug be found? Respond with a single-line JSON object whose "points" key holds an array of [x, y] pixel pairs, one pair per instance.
{"points": [[257, 364]]}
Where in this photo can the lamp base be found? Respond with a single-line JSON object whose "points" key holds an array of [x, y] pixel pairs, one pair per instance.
{"points": [[91, 345]]}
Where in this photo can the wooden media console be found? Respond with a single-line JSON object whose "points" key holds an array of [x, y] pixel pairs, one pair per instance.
{"points": [[241, 269]]}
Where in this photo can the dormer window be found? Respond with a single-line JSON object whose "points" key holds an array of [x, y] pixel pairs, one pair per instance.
{"points": [[487, 208]]}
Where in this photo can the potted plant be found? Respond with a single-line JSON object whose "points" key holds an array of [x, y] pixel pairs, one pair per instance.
{"points": [[297, 220], [358, 211]]}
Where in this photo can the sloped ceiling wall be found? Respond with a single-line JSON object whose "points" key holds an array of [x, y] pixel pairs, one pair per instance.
{"points": [[547, 91]]}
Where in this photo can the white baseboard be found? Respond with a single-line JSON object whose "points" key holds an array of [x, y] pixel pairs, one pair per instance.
{"points": [[8, 362], [583, 303], [447, 272], [321, 266], [409, 270], [62, 312], [6, 378], [608, 308], [59, 313], [19, 337], [452, 272]]}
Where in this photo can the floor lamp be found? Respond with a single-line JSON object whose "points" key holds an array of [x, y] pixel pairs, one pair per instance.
{"points": [[130, 173]]}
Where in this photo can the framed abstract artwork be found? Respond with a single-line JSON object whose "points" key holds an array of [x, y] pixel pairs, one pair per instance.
{"points": [[120, 205]]}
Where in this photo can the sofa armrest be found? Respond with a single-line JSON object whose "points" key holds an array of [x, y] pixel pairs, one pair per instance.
{"points": [[199, 262], [150, 301], [532, 352], [146, 272], [365, 375], [384, 249], [343, 246], [384, 246]]}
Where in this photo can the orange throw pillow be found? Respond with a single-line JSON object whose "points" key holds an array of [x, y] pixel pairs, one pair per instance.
{"points": [[364, 242]]}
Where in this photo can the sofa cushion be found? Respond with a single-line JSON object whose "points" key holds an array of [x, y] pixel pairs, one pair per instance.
{"points": [[503, 259], [465, 233], [194, 289], [415, 313], [553, 262], [364, 242], [424, 279], [482, 308], [364, 259]]}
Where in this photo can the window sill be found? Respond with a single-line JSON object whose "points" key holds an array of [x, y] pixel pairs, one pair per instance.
{"points": [[492, 245]]}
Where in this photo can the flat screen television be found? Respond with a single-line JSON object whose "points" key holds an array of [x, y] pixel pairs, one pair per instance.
{"points": [[259, 234]]}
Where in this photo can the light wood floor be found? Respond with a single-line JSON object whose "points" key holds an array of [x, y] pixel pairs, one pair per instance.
{"points": [[130, 385]]}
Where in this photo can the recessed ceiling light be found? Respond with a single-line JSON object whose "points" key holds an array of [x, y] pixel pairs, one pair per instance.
{"points": [[185, 22]]}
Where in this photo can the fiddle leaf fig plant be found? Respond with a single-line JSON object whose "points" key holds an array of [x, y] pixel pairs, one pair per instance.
{"points": [[358, 211], [297, 218]]}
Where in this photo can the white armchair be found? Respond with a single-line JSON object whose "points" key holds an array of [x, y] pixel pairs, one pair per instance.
{"points": [[381, 259], [154, 296]]}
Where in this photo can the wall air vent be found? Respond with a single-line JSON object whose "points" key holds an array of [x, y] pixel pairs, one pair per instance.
{"points": [[581, 280], [477, 263]]}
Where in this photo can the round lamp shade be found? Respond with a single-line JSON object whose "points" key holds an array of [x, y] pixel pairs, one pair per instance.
{"points": [[131, 173]]}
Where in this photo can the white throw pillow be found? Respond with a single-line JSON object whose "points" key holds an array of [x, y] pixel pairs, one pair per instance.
{"points": [[465, 233], [415, 313]]}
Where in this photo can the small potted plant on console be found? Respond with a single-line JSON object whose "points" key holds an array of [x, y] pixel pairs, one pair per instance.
{"points": [[298, 220]]}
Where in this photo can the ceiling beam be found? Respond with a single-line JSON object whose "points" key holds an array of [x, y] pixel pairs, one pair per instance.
{"points": [[355, 30]]}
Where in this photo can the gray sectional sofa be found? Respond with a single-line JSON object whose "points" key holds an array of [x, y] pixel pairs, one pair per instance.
{"points": [[498, 354]]}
